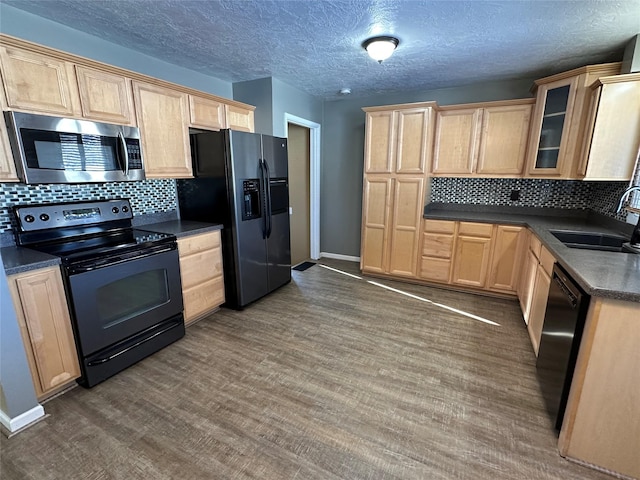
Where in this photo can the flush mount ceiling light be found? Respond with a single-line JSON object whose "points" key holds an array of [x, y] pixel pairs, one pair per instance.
{"points": [[380, 48]]}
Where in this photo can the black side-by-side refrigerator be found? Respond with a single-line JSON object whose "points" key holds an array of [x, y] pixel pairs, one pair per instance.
{"points": [[241, 181]]}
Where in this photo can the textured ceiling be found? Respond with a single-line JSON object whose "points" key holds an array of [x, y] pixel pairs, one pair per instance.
{"points": [[315, 45]]}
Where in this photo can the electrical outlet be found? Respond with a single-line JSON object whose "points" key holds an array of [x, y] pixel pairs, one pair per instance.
{"points": [[515, 195]]}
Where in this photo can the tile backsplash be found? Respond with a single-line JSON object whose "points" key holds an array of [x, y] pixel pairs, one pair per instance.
{"points": [[599, 196], [147, 196]]}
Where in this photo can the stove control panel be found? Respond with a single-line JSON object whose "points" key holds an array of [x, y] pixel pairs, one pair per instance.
{"points": [[41, 217]]}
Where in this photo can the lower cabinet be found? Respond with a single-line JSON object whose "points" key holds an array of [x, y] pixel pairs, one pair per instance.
{"points": [[468, 254], [45, 325], [201, 274], [472, 254], [534, 290]]}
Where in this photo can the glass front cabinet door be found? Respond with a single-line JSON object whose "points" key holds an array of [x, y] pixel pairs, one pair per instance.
{"points": [[548, 155]]}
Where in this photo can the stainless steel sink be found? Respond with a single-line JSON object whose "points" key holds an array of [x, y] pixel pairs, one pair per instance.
{"points": [[592, 241]]}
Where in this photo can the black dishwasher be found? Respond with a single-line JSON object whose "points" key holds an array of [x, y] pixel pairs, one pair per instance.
{"points": [[561, 333]]}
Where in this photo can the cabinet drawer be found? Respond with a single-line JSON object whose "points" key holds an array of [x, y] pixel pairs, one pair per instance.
{"points": [[439, 226], [437, 245], [535, 246], [436, 269], [200, 267], [197, 243], [546, 260], [475, 229], [202, 298]]}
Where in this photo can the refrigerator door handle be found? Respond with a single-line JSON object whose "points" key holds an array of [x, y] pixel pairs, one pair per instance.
{"points": [[268, 186], [263, 198]]}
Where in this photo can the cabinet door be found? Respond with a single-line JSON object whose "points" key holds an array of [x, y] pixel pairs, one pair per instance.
{"points": [[239, 118], [538, 307], [37, 83], [163, 117], [611, 141], [408, 205], [7, 165], [549, 142], [379, 142], [45, 325], [456, 144], [471, 261], [105, 97], [412, 140], [506, 258], [503, 142], [375, 222], [207, 113]]}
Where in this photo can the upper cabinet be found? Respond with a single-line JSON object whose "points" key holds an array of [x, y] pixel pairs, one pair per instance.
{"points": [[104, 96], [559, 120], [7, 166], [34, 82], [163, 116], [485, 139], [240, 118], [207, 113], [44, 81], [399, 140], [612, 135]]}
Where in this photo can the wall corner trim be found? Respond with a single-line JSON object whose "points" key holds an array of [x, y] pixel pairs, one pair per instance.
{"points": [[16, 423]]}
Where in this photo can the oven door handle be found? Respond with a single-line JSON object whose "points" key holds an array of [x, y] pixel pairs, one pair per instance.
{"points": [[101, 360], [90, 265]]}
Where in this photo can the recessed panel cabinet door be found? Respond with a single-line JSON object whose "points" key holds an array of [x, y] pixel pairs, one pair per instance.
{"points": [[207, 113], [379, 142], [471, 261], [45, 325], [163, 118], [408, 206], [7, 165], [38, 83], [412, 140], [240, 119], [506, 258], [503, 144], [456, 144], [375, 222], [105, 97]]}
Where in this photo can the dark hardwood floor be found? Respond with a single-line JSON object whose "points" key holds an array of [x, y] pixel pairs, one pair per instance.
{"points": [[330, 377]]}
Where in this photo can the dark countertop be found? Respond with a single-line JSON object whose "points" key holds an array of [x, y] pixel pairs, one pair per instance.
{"points": [[19, 259], [603, 274], [181, 228]]}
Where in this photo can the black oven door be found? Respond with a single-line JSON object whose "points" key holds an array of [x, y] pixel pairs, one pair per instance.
{"points": [[116, 302]]}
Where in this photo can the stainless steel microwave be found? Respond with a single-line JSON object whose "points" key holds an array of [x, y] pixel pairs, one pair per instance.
{"points": [[66, 150]]}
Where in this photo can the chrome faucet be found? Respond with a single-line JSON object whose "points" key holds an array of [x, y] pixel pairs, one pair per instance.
{"points": [[635, 236]]}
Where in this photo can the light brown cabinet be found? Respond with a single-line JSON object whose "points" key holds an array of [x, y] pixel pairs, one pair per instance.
{"points": [[612, 133], [559, 120], [163, 116], [45, 325], [438, 241], [534, 295], [482, 139], [506, 258], [397, 145], [38, 83], [472, 254], [239, 118], [105, 97], [201, 274], [207, 113], [7, 165]]}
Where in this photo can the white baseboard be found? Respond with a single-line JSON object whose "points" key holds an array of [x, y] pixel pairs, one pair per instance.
{"points": [[16, 423], [339, 256]]}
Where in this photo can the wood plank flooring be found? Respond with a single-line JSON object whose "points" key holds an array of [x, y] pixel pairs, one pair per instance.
{"points": [[330, 377]]}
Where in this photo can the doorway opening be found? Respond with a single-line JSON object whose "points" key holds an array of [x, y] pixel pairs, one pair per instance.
{"points": [[304, 187]]}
